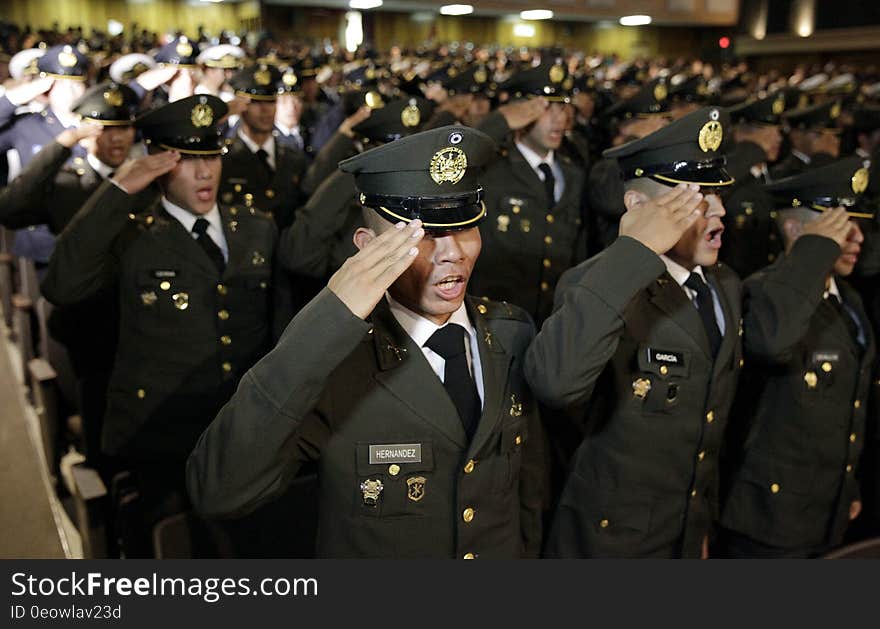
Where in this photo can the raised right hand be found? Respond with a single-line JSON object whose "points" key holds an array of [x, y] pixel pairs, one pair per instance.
{"points": [[363, 279], [26, 92], [659, 222], [834, 224], [346, 128], [69, 137], [521, 113], [136, 174], [151, 79]]}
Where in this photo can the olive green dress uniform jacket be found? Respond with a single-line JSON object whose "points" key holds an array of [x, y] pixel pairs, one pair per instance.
{"points": [[626, 342], [334, 386], [246, 181], [528, 240], [187, 333], [805, 387]]}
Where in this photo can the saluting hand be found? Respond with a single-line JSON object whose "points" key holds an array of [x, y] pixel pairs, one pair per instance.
{"points": [[523, 112], [363, 279], [151, 79], [69, 137], [363, 112], [136, 174], [659, 222], [834, 224], [26, 92]]}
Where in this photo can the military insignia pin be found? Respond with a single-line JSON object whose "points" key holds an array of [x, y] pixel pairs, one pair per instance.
{"points": [[181, 300], [515, 407], [410, 116], [149, 298], [835, 111], [371, 490], [480, 76], [113, 97], [779, 104], [557, 73], [415, 488], [373, 100], [184, 48], [710, 136], [290, 79], [258, 259], [860, 180], [202, 116], [262, 76], [641, 387], [448, 164], [503, 222], [811, 379], [660, 92]]}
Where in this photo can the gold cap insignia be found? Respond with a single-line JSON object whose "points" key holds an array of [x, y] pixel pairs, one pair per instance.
{"points": [[641, 387], [452, 72], [557, 73], [184, 48], [660, 91], [568, 83], [803, 101], [290, 79], [371, 490], [415, 488], [66, 57], [410, 116], [370, 74], [480, 76], [113, 97], [860, 180], [835, 111], [448, 164], [710, 136], [374, 100], [202, 116], [702, 89], [262, 76], [779, 105]]}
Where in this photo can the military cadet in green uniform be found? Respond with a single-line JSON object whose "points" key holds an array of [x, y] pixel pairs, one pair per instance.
{"points": [[814, 137], [644, 336], [752, 240], [809, 353], [194, 283], [534, 198], [258, 171], [408, 393]]}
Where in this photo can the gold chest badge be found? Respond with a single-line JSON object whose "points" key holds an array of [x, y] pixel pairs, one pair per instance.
{"points": [[503, 222], [641, 387], [516, 409], [448, 164], [415, 488], [371, 490], [258, 259], [181, 300]]}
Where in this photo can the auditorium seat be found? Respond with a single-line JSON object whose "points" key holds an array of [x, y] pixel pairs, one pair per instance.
{"points": [[868, 549]]}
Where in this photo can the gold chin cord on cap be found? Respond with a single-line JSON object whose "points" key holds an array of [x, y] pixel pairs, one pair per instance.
{"points": [[470, 221]]}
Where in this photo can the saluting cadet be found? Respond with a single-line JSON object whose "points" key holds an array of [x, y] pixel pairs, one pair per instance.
{"points": [[534, 197], [809, 351], [194, 282], [257, 170], [814, 137], [408, 393], [644, 337]]}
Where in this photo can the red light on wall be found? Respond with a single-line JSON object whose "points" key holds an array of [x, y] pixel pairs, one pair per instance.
{"points": [[724, 42]]}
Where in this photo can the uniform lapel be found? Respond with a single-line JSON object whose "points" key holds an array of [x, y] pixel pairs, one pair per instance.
{"points": [[569, 176], [181, 242], [666, 294], [731, 321], [523, 171], [405, 373], [235, 243], [495, 363]]}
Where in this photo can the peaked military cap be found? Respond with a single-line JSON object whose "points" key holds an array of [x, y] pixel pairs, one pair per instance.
{"points": [[475, 80], [188, 125], [550, 80], [687, 150], [25, 63], [694, 89], [815, 117], [63, 62], [649, 100], [840, 183], [129, 67], [364, 76], [355, 99], [395, 119], [109, 104], [258, 82], [290, 81], [432, 176], [225, 56], [179, 51], [766, 110]]}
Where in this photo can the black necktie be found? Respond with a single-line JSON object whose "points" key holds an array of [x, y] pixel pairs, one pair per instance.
{"points": [[706, 308], [201, 230], [549, 182], [263, 156], [448, 342], [848, 318]]}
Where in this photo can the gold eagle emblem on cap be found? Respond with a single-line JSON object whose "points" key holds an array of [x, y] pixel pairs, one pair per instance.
{"points": [[262, 76], [480, 76], [184, 48], [113, 97], [660, 92], [202, 116], [410, 116], [835, 111], [778, 105], [373, 100], [557, 73], [710, 136], [66, 57], [448, 164], [860, 180], [290, 79]]}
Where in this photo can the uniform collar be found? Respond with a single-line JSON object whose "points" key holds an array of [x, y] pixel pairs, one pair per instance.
{"points": [[268, 145], [679, 273], [419, 328], [188, 219], [831, 288], [99, 167], [533, 158]]}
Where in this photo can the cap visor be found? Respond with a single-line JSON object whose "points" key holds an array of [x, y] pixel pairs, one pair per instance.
{"points": [[447, 219], [708, 177]]}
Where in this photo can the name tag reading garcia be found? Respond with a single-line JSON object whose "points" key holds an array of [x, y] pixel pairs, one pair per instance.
{"points": [[665, 357], [396, 453]]}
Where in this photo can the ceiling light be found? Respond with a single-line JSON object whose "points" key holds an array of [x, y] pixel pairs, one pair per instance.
{"points": [[456, 9], [364, 4], [635, 20], [536, 14], [523, 30]]}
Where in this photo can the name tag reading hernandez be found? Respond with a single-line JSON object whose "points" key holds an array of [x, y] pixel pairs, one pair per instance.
{"points": [[396, 453]]}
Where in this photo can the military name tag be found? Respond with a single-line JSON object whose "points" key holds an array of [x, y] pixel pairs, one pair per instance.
{"points": [[665, 357], [826, 356], [164, 274], [396, 453]]}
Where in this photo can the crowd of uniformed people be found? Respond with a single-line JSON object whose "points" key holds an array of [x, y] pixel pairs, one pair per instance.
{"points": [[458, 301]]}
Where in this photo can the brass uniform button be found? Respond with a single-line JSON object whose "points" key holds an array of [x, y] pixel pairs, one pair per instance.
{"points": [[233, 210], [238, 187], [741, 362], [226, 340], [165, 285], [545, 286], [848, 469], [469, 556], [223, 315], [550, 218], [548, 240], [221, 289], [467, 515], [771, 257], [701, 455], [852, 437], [270, 194], [141, 394], [547, 263], [394, 469], [131, 217], [693, 493], [710, 417], [774, 488], [664, 370], [604, 524], [826, 367], [469, 466], [857, 404], [482, 309], [516, 209], [227, 367], [518, 440]]}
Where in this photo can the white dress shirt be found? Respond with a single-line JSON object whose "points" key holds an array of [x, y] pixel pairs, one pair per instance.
{"points": [[420, 330], [100, 167], [536, 160], [268, 146], [681, 274], [188, 219]]}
